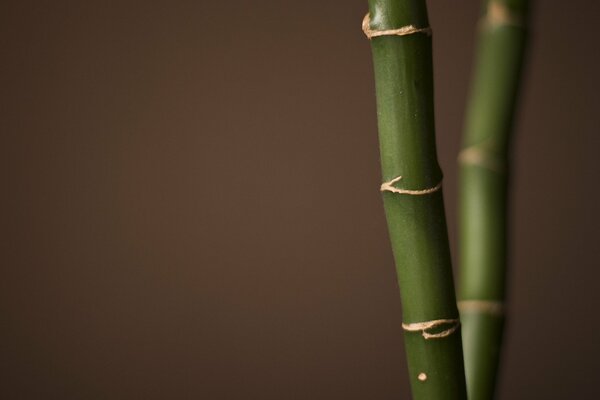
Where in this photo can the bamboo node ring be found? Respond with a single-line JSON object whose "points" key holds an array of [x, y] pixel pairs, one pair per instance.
{"points": [[426, 326], [403, 31], [482, 157], [389, 187], [499, 14], [489, 307]]}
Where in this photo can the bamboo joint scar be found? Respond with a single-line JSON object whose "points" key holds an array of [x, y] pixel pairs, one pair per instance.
{"points": [[490, 307], [389, 187], [426, 327], [483, 157], [403, 31], [499, 14]]}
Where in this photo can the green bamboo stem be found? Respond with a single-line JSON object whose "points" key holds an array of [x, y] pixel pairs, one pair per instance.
{"points": [[483, 190], [416, 220]]}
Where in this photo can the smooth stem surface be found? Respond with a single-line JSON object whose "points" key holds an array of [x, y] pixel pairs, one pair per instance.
{"points": [[417, 224], [483, 190]]}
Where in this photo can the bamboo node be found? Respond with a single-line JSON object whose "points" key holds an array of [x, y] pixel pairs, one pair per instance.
{"points": [[426, 326], [481, 156], [389, 187], [403, 31], [499, 14], [490, 307]]}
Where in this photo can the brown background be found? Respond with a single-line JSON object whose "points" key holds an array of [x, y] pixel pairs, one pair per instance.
{"points": [[190, 204]]}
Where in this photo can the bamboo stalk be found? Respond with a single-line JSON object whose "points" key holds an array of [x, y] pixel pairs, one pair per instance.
{"points": [[484, 188], [402, 58]]}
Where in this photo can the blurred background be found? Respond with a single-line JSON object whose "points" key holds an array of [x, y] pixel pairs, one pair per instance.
{"points": [[190, 204]]}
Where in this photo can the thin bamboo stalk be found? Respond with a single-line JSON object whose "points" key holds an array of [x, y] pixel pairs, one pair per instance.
{"points": [[412, 196], [484, 165]]}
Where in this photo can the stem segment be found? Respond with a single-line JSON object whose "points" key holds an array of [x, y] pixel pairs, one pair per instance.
{"points": [[415, 211], [483, 190]]}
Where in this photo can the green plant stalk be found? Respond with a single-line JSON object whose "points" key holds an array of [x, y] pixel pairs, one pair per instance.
{"points": [[416, 223], [484, 163]]}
